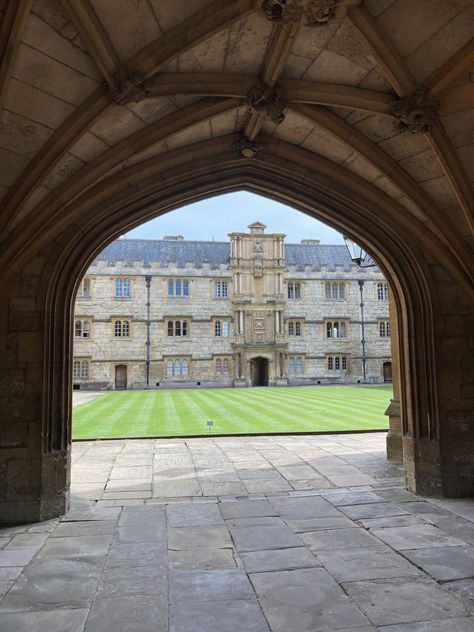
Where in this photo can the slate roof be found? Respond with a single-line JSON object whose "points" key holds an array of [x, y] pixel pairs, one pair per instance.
{"points": [[215, 253]]}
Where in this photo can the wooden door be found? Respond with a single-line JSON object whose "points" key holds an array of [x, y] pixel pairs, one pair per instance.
{"points": [[387, 371], [120, 377]]}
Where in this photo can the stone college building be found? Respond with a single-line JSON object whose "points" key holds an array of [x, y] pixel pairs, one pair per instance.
{"points": [[252, 312]]}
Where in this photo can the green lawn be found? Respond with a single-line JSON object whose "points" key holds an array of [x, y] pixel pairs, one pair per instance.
{"points": [[233, 411]]}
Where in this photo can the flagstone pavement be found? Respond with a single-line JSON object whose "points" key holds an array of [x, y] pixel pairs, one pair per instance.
{"points": [[241, 534]]}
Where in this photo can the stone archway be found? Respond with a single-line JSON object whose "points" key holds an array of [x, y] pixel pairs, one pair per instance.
{"points": [[409, 274], [259, 371]]}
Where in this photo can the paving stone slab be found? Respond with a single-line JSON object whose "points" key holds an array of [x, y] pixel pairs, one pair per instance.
{"points": [[457, 624], [173, 488], [445, 564], [146, 532], [305, 600], [422, 536], [403, 600], [91, 527], [218, 616], [27, 541], [373, 510], [202, 559], [424, 507], [10, 572], [262, 521], [368, 563], [182, 538], [352, 498], [214, 585], [452, 525], [407, 520], [64, 583], [298, 508], [137, 554], [223, 489], [91, 513], [261, 538], [247, 509], [76, 546], [266, 486], [256, 473], [140, 613], [16, 557], [135, 580], [319, 524], [339, 539], [211, 475], [51, 621], [463, 589], [278, 560], [191, 515]]}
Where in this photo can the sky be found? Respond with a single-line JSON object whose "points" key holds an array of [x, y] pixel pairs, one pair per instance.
{"points": [[214, 218]]}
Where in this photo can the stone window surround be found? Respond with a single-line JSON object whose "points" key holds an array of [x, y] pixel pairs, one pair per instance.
{"points": [[383, 328], [223, 359], [381, 291], [122, 320], [123, 277], [221, 289], [177, 359], [175, 320], [184, 284], [82, 362], [339, 321], [83, 330], [295, 324], [297, 360], [215, 328], [291, 288], [84, 291], [336, 360], [332, 283]]}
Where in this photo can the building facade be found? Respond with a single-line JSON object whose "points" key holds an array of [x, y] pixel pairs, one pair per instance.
{"points": [[250, 312]]}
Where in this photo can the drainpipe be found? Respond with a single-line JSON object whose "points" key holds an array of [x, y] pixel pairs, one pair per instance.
{"points": [[148, 323], [362, 327]]}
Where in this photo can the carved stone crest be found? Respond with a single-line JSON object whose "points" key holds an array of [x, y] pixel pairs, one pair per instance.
{"points": [[312, 13], [128, 88], [246, 147], [270, 99], [416, 113]]}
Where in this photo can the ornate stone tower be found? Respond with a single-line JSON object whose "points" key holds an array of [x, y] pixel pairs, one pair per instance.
{"points": [[258, 265]]}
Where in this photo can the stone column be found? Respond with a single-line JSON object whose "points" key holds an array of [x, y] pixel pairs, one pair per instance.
{"points": [[394, 436]]}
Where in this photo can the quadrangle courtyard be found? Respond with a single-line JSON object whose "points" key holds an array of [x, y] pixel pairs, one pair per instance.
{"points": [[241, 534]]}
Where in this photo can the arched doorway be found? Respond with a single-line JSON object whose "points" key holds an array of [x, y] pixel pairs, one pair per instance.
{"points": [[387, 372], [120, 377], [259, 371]]}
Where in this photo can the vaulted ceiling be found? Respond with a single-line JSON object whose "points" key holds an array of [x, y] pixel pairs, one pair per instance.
{"points": [[383, 90]]}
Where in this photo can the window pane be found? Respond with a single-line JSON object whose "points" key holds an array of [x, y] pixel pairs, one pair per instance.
{"points": [[330, 363], [86, 328], [177, 328], [290, 290], [297, 329], [336, 331], [118, 328], [118, 287], [328, 291], [185, 328], [126, 328], [170, 328], [344, 363], [382, 330], [126, 287], [217, 289], [77, 369], [329, 330], [299, 365], [225, 328], [217, 328], [342, 291], [86, 288], [225, 366], [185, 287], [343, 330], [334, 291], [387, 329], [218, 366], [292, 365], [177, 287], [337, 363], [78, 328], [224, 289], [169, 367], [170, 287], [84, 369], [291, 328], [177, 367], [297, 290], [185, 367]]}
